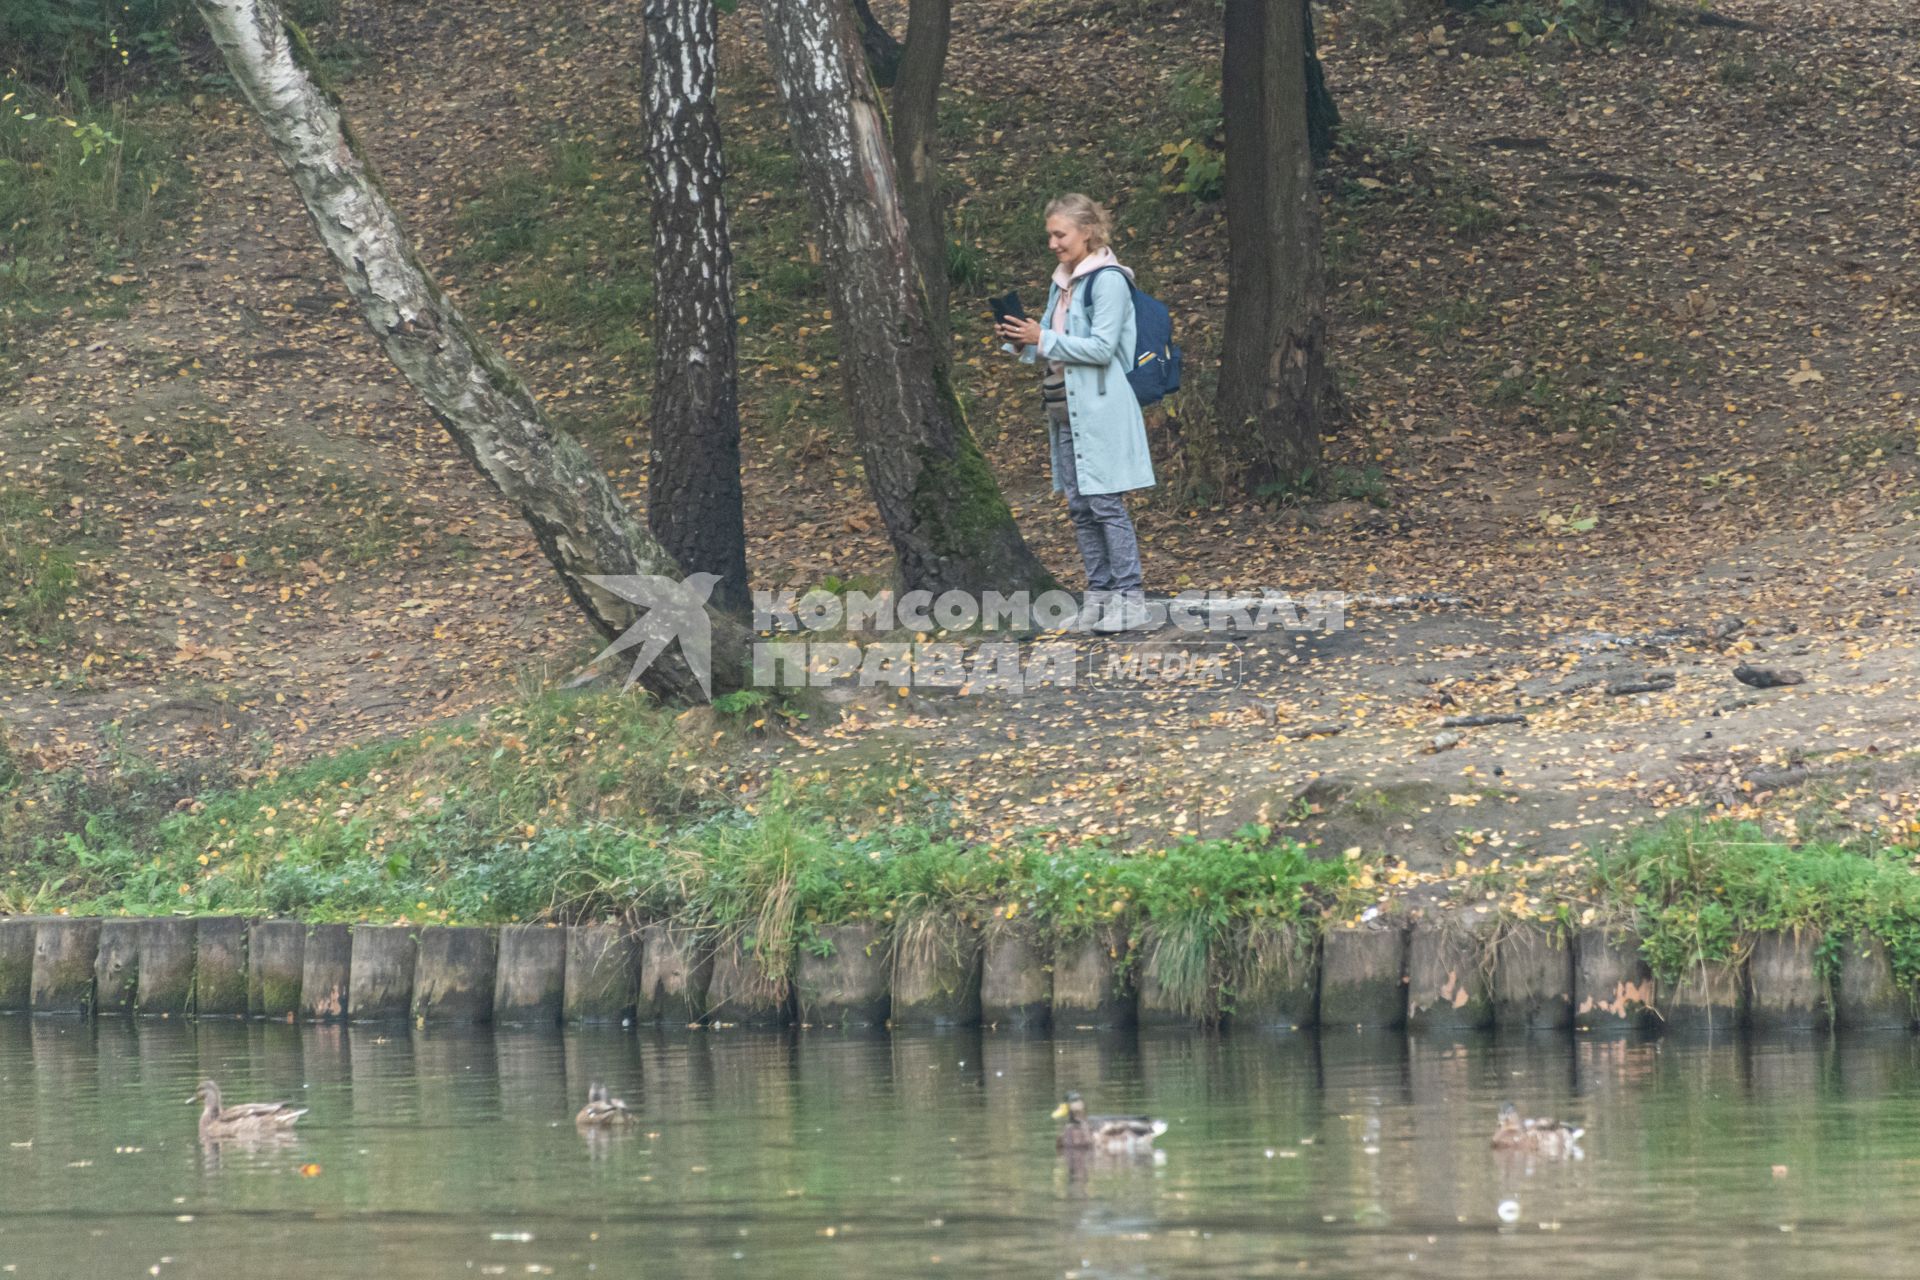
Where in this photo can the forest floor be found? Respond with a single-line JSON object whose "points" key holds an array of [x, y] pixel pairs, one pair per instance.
{"points": [[1628, 340]]}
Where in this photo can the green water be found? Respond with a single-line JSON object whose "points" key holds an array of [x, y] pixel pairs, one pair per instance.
{"points": [[453, 1154]]}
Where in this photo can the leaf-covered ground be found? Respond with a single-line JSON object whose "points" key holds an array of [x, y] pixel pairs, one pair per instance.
{"points": [[1627, 337]]}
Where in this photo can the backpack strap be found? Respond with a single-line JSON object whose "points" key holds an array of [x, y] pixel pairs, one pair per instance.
{"points": [[1088, 279]]}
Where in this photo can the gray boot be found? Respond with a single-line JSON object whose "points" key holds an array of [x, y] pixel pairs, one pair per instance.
{"points": [[1127, 611], [1091, 612]]}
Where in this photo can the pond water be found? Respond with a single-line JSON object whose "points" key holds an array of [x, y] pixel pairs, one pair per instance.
{"points": [[453, 1153]]}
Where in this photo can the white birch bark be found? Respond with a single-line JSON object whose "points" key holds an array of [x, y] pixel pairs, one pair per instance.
{"points": [[576, 515]]}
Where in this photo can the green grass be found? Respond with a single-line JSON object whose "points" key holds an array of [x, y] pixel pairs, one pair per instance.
{"points": [[83, 192], [1697, 890], [46, 557], [564, 247], [95, 48], [593, 805]]}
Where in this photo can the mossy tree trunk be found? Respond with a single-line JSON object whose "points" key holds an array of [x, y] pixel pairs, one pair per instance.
{"points": [[693, 469], [576, 515], [949, 525], [916, 125], [1273, 361]]}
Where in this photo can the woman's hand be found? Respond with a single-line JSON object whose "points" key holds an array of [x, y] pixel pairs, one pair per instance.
{"points": [[1021, 333]]}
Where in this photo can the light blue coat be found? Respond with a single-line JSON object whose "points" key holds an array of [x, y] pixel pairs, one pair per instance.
{"points": [[1109, 436]]}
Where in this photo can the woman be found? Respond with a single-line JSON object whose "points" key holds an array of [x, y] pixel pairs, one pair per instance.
{"points": [[1097, 437]]}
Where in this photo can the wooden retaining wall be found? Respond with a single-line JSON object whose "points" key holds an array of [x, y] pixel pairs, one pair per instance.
{"points": [[1429, 977]]}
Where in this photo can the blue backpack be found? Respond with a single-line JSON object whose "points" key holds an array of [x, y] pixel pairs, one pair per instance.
{"points": [[1155, 371]]}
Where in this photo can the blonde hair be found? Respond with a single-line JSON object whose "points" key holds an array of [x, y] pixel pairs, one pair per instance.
{"points": [[1087, 215]]}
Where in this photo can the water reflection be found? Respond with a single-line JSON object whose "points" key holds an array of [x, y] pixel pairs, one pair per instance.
{"points": [[430, 1152]]}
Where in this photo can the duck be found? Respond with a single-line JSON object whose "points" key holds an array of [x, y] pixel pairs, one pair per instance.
{"points": [[1548, 1138], [1113, 1134], [601, 1110], [243, 1120]]}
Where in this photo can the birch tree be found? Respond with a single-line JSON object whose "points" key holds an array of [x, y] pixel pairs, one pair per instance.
{"points": [[948, 522], [1273, 359], [693, 469], [575, 514]]}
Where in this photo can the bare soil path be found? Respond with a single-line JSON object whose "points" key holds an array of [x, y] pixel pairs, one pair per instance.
{"points": [[1631, 345]]}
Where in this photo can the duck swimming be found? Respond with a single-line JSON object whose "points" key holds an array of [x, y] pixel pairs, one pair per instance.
{"points": [[601, 1111], [243, 1120], [1548, 1138], [1112, 1134]]}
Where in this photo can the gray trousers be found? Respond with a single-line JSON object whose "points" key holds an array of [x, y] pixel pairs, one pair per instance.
{"points": [[1101, 525]]}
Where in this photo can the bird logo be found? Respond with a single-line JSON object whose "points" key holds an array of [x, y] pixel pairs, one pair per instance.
{"points": [[674, 609]]}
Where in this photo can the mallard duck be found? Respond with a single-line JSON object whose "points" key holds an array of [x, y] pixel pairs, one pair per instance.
{"points": [[1548, 1138], [246, 1120], [601, 1111], [1103, 1133]]}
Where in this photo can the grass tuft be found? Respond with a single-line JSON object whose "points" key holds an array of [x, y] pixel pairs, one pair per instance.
{"points": [[1697, 890]]}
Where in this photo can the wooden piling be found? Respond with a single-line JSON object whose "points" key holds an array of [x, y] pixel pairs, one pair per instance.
{"points": [[64, 951], [1613, 987], [220, 967], [1786, 990], [601, 972], [1090, 989], [1016, 975], [326, 966], [1449, 977], [1532, 977], [845, 981], [936, 973], [116, 965], [167, 954], [275, 959], [676, 970], [530, 980], [1363, 977], [453, 975], [380, 978]]}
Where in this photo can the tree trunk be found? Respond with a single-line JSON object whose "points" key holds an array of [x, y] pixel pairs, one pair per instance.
{"points": [[949, 525], [1323, 117], [882, 51], [1273, 362], [916, 124], [693, 471], [576, 515]]}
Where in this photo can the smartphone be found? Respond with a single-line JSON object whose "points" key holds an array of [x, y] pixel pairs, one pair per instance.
{"points": [[1007, 308]]}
